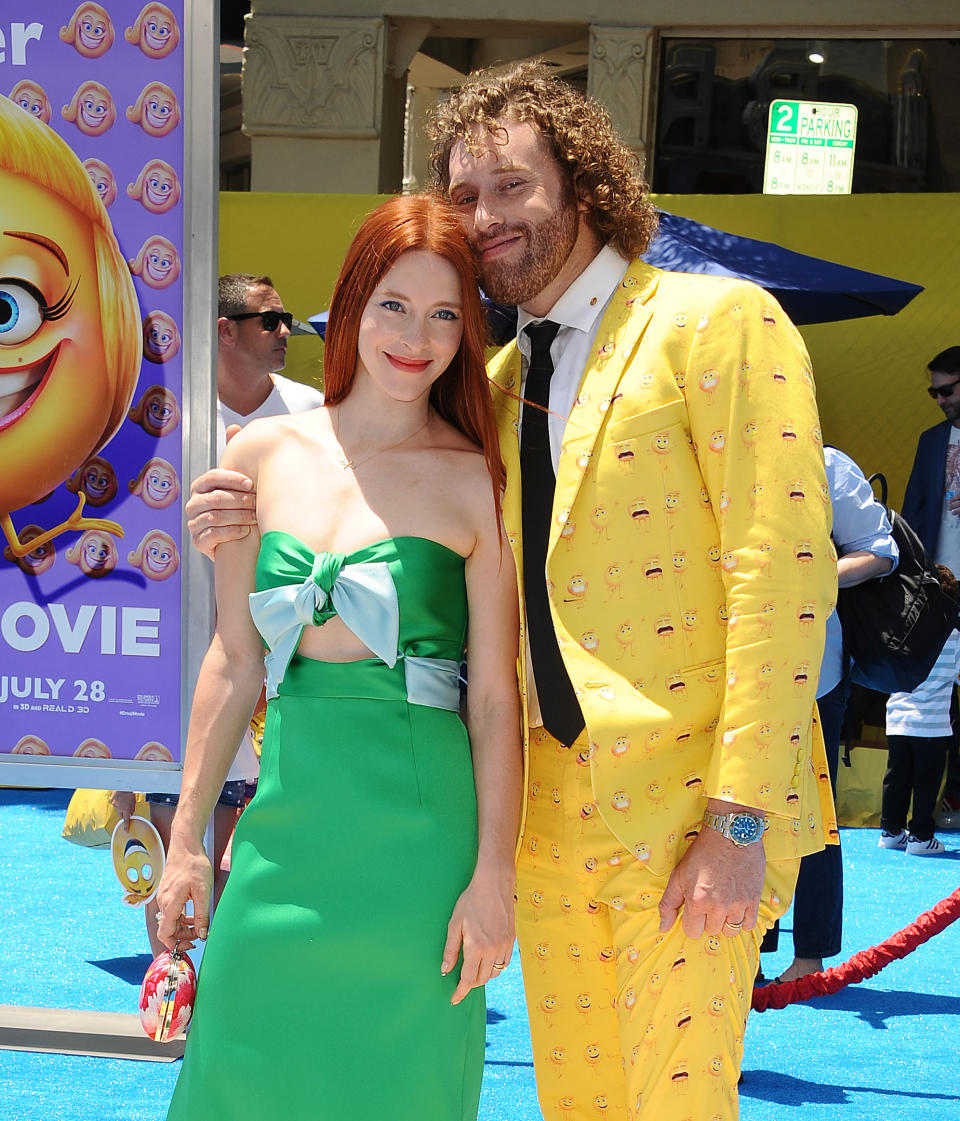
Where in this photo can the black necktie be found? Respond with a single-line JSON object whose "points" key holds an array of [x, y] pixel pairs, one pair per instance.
{"points": [[558, 704]]}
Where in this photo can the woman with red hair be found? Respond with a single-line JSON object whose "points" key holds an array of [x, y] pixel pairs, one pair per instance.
{"points": [[371, 886]]}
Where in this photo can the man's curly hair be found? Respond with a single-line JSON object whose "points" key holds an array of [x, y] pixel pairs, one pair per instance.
{"points": [[576, 128]]}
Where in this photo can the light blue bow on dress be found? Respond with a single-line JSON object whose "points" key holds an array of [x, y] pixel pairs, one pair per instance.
{"points": [[362, 594]]}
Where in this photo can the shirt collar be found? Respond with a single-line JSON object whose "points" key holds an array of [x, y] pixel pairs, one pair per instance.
{"points": [[581, 306]]}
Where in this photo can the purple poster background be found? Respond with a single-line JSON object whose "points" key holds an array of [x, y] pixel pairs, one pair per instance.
{"points": [[90, 639]]}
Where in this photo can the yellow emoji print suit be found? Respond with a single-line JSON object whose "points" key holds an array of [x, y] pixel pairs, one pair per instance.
{"points": [[690, 574]]}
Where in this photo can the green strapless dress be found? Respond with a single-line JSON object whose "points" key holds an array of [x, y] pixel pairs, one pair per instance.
{"points": [[320, 995]]}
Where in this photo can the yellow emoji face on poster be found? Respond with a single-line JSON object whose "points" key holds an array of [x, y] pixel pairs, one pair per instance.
{"points": [[156, 110], [89, 30], [157, 411], [94, 554], [30, 745], [91, 109], [154, 752], [155, 31], [70, 334], [157, 263], [157, 484], [161, 337], [102, 179], [96, 478], [156, 556], [137, 855], [156, 188], [32, 98], [39, 559], [92, 749]]}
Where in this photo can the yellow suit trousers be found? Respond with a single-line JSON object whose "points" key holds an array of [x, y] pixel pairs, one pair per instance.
{"points": [[627, 1023]]}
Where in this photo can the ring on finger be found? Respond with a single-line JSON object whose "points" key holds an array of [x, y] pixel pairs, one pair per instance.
{"points": [[736, 927], [499, 965]]}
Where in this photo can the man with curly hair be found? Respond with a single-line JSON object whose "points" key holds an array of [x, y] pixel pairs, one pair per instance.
{"points": [[667, 505]]}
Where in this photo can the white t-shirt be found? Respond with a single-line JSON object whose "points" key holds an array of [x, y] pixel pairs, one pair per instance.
{"points": [[287, 396], [948, 542]]}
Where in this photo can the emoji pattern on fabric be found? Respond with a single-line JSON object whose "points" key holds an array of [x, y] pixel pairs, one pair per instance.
{"points": [[648, 1024], [690, 564]]}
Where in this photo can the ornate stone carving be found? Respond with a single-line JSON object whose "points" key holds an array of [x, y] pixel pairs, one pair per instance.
{"points": [[620, 75], [312, 76]]}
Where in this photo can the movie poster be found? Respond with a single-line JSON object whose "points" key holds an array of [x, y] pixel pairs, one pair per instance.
{"points": [[91, 379]]}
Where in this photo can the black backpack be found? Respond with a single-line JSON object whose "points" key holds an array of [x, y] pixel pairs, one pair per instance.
{"points": [[894, 626]]}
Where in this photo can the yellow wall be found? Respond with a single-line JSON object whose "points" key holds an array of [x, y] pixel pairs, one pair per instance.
{"points": [[299, 241], [870, 372]]}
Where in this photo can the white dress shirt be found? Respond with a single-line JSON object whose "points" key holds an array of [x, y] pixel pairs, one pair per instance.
{"points": [[579, 312]]}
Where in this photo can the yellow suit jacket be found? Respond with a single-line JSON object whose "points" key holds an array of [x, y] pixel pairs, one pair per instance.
{"points": [[690, 567]]}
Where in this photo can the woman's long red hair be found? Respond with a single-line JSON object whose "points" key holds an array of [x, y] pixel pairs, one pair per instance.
{"points": [[461, 394]]}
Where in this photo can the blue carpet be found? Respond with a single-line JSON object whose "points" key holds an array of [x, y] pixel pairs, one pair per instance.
{"points": [[884, 1049]]}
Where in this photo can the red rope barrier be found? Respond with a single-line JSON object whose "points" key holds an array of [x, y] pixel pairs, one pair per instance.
{"points": [[863, 964]]}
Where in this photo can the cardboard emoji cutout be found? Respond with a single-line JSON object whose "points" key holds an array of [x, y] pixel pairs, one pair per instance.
{"points": [[138, 857]]}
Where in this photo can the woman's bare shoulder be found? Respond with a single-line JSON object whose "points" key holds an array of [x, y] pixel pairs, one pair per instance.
{"points": [[256, 440]]}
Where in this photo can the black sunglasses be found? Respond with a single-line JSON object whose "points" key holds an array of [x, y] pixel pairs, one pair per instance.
{"points": [[269, 320], [936, 391]]}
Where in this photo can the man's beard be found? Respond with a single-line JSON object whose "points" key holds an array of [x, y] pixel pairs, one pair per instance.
{"points": [[548, 245]]}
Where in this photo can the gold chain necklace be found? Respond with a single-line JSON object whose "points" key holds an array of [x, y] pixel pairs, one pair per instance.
{"points": [[352, 464]]}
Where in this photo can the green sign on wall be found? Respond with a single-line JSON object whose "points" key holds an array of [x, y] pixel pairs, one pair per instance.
{"points": [[810, 148]]}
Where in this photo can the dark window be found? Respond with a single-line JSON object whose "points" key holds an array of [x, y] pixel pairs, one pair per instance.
{"points": [[715, 97]]}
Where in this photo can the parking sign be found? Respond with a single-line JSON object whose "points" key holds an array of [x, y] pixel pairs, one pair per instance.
{"points": [[810, 148]]}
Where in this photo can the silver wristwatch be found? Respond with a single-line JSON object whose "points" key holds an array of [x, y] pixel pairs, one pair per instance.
{"points": [[739, 826]]}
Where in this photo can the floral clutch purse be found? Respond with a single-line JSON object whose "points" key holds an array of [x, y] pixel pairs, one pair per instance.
{"points": [[167, 996]]}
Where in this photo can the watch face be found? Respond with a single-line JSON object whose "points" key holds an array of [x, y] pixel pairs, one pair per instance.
{"points": [[745, 828]]}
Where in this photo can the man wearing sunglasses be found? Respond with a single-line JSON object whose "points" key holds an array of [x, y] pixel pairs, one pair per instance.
{"points": [[252, 333], [931, 504]]}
